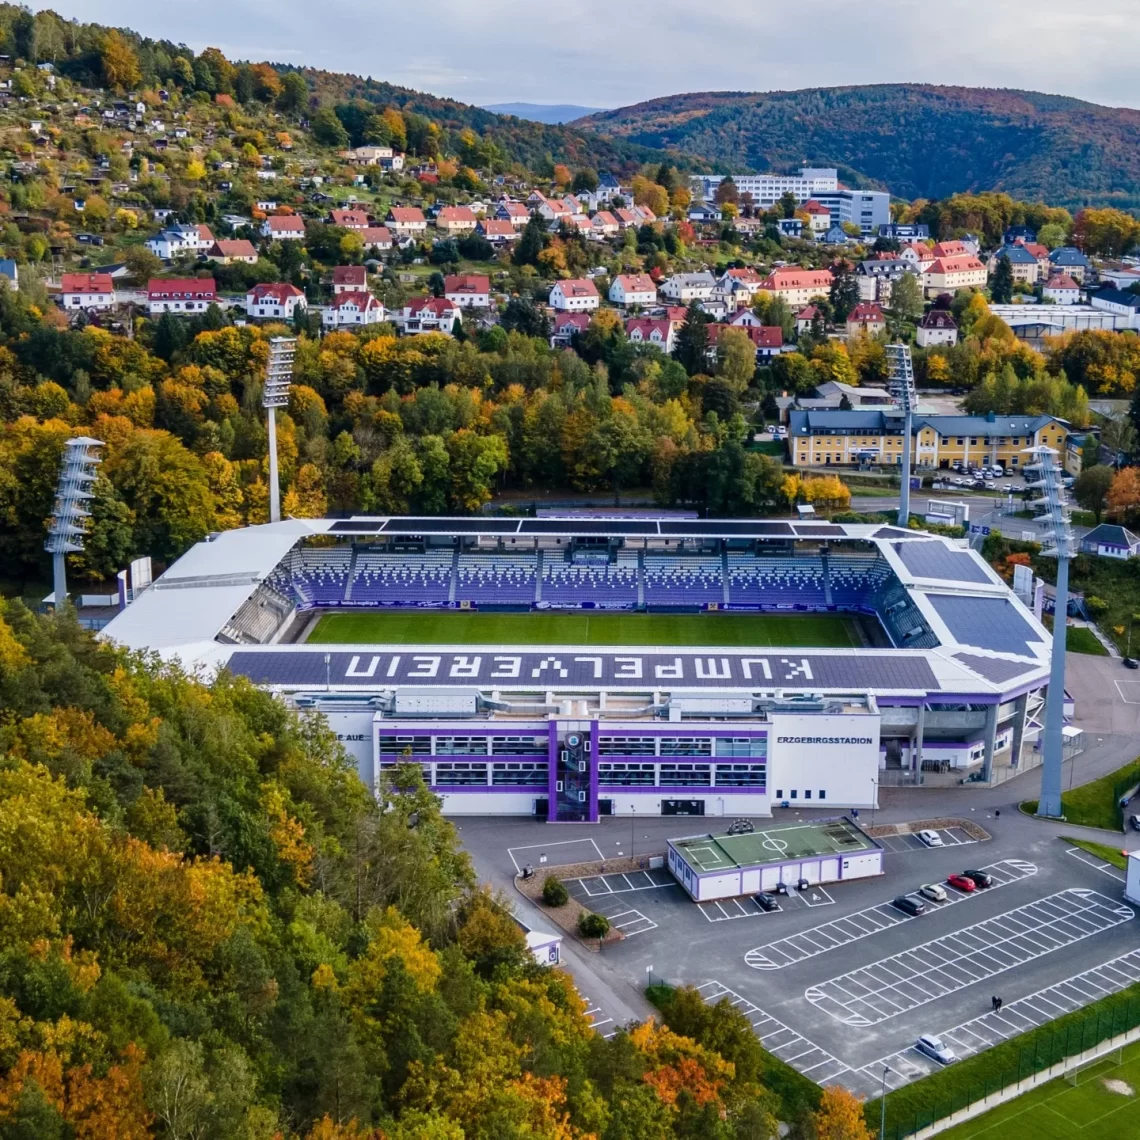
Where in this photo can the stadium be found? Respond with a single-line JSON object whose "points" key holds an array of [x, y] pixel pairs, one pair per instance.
{"points": [[573, 665]]}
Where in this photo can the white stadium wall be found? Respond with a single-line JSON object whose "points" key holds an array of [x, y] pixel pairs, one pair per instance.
{"points": [[838, 755]]}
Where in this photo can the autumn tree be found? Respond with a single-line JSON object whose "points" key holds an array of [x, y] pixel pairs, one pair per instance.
{"points": [[840, 1116], [120, 64], [1123, 498]]}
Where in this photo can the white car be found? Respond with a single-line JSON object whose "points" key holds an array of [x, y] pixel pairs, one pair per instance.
{"points": [[770, 429], [781, 432], [934, 1048], [933, 892], [931, 838]]}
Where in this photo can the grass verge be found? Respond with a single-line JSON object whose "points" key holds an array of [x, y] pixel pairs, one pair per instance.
{"points": [[935, 1097], [1097, 804], [1100, 850]]}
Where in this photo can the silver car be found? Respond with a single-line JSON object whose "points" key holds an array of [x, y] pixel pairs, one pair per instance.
{"points": [[934, 1048]]}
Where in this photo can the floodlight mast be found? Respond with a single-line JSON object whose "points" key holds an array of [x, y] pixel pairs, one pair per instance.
{"points": [[902, 389], [1054, 512], [67, 529], [278, 377]]}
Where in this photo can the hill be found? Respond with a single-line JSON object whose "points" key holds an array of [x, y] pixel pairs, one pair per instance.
{"points": [[544, 112], [917, 140]]}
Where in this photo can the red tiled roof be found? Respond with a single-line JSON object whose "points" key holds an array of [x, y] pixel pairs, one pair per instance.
{"points": [[467, 283], [959, 263], [636, 283], [456, 214], [198, 288], [1061, 281], [577, 287], [86, 283], [278, 291], [285, 224], [795, 278], [350, 275], [377, 235], [357, 297], [406, 214], [356, 218], [866, 312], [237, 248], [500, 227]]}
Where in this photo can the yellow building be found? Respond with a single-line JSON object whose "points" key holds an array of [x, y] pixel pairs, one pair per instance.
{"points": [[846, 439]]}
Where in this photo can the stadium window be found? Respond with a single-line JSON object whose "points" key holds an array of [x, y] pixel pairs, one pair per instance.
{"points": [[807, 793], [517, 745], [822, 794], [626, 746], [686, 746], [685, 775], [779, 793], [531, 775], [398, 745], [461, 746], [741, 776], [794, 794], [463, 775]]}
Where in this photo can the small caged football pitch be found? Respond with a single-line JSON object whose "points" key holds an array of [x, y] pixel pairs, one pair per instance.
{"points": [[471, 627], [1101, 1102]]}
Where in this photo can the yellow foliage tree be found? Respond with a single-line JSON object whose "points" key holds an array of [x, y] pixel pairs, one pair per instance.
{"points": [[120, 64], [840, 1116]]}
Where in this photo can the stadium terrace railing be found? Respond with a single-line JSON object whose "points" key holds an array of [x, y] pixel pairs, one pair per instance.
{"points": [[1007, 1070]]}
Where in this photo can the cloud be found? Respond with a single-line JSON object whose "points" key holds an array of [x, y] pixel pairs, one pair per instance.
{"points": [[505, 50]]}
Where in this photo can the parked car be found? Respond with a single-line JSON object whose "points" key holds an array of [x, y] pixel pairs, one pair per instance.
{"points": [[1129, 663], [933, 892], [1134, 822], [770, 429], [766, 902], [980, 878], [909, 905], [931, 838], [962, 883], [934, 1048]]}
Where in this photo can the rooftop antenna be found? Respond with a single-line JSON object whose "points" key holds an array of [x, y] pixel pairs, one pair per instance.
{"points": [[278, 377], [1058, 543], [67, 529], [902, 389]]}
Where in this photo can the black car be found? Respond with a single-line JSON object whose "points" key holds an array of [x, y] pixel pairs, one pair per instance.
{"points": [[1129, 663], [766, 902], [981, 879], [909, 905], [1134, 822]]}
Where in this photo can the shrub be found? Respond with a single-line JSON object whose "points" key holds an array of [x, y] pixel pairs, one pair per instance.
{"points": [[593, 926], [554, 892], [1096, 605]]}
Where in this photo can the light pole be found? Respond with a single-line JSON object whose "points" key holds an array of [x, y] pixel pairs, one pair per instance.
{"points": [[902, 389], [874, 798], [1058, 543], [883, 1105], [278, 377], [632, 827], [68, 526]]}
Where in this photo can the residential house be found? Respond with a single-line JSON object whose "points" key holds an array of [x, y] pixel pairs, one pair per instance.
{"points": [[1060, 289], [552, 209], [655, 331], [427, 315], [232, 252], [349, 219], [788, 227], [905, 231], [86, 291], [1041, 255], [633, 289], [468, 290], [949, 274], [627, 217], [1068, 259], [604, 224], [352, 308], [1021, 262], [804, 319], [867, 318], [819, 217], [376, 238], [1109, 541], [836, 438], [797, 286], [10, 270], [514, 212], [578, 223], [937, 327], [739, 285], [952, 249], [274, 300], [183, 296], [1021, 234], [1118, 302], [349, 279], [644, 215], [918, 256], [566, 326], [180, 239], [877, 278], [576, 295], [406, 220], [836, 235], [856, 397], [769, 341], [498, 231], [283, 227], [704, 212], [382, 156], [684, 288], [456, 220]]}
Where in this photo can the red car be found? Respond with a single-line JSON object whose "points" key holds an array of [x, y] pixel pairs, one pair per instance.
{"points": [[961, 883]]}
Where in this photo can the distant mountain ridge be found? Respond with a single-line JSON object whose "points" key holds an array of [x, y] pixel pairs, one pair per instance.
{"points": [[544, 112], [917, 140]]}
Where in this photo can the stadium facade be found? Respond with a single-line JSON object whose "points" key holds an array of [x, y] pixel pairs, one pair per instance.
{"points": [[948, 673]]}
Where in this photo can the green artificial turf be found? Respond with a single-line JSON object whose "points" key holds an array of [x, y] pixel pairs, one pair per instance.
{"points": [[433, 627]]}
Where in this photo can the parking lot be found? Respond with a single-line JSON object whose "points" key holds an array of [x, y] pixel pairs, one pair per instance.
{"points": [[838, 981]]}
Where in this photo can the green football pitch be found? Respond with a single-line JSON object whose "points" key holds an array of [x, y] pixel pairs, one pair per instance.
{"points": [[1102, 1104], [434, 627]]}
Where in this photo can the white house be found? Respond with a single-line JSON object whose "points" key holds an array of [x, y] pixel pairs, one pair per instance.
{"points": [[274, 301], [577, 295], [86, 291], [426, 315], [468, 290], [283, 227], [1120, 303], [937, 327], [1110, 541], [377, 238], [352, 308], [498, 231], [682, 288], [1060, 289], [633, 289], [349, 279], [406, 220], [456, 220], [644, 330], [179, 239], [180, 295]]}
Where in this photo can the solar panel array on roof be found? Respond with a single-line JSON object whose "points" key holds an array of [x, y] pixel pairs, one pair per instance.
{"points": [[993, 668], [585, 526], [894, 532], [820, 530], [935, 560], [989, 623], [742, 529], [451, 526]]}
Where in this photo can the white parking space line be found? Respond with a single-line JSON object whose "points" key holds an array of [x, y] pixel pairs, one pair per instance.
{"points": [[863, 923], [621, 883], [543, 846], [1096, 864], [598, 1023], [781, 1041], [630, 921], [1019, 1016], [1133, 687], [924, 973]]}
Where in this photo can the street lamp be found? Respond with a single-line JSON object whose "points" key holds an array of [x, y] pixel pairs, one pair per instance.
{"points": [[903, 391], [278, 377], [874, 798], [1058, 543], [632, 827], [883, 1105]]}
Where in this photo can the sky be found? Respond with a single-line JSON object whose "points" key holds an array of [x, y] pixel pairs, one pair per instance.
{"points": [[514, 50]]}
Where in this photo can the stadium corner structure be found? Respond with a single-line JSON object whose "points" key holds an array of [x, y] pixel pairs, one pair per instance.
{"points": [[946, 674]]}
